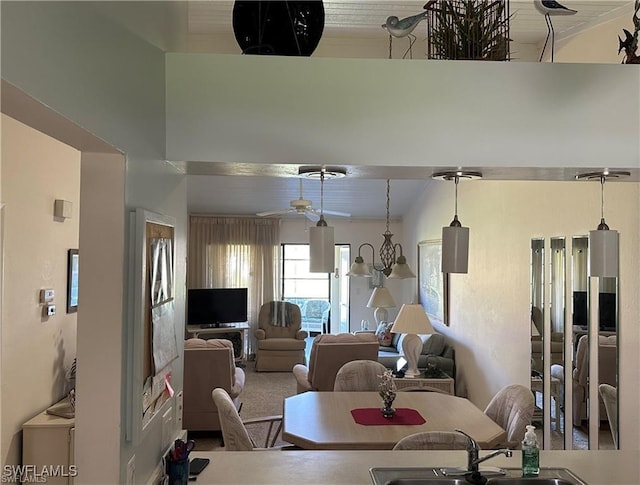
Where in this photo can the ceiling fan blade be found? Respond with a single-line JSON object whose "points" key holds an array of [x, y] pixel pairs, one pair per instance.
{"points": [[274, 213], [312, 215], [336, 213]]}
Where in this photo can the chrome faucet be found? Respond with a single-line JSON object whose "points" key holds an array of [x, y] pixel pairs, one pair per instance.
{"points": [[473, 450]]}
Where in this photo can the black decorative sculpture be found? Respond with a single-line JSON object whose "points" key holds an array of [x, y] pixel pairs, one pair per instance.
{"points": [[285, 28]]}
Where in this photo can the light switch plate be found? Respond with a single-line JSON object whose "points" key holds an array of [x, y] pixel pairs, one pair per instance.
{"points": [[46, 295]]}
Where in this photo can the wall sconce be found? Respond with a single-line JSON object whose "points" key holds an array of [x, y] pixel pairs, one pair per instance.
{"points": [[455, 238], [393, 266], [62, 209], [603, 242]]}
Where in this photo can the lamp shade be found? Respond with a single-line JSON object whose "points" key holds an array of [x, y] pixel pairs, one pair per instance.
{"points": [[603, 253], [381, 298], [455, 249], [321, 249], [412, 319], [359, 268]]}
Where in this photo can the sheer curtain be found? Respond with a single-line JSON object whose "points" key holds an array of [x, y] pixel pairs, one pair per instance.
{"points": [[236, 252]]}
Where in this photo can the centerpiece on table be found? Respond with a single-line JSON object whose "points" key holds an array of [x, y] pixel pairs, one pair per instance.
{"points": [[387, 393]]}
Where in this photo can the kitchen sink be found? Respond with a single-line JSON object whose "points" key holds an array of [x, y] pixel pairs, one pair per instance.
{"points": [[448, 476]]}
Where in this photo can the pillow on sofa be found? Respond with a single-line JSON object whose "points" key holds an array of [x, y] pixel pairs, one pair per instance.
{"points": [[434, 344], [383, 333]]}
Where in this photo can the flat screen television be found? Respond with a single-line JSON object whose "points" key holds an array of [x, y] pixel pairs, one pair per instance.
{"points": [[214, 307], [607, 304]]}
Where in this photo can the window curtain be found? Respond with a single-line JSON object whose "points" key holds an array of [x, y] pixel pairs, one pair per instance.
{"points": [[236, 252]]}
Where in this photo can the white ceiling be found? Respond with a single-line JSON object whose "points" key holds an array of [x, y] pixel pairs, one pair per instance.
{"points": [[245, 188]]}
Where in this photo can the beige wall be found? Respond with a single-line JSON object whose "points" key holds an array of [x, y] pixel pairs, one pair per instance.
{"points": [[36, 350], [598, 44], [490, 316]]}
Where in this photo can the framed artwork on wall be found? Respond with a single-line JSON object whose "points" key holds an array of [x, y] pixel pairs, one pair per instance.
{"points": [[433, 285], [72, 280]]}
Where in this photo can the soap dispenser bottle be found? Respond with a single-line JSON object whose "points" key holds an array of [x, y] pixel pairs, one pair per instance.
{"points": [[530, 453]]}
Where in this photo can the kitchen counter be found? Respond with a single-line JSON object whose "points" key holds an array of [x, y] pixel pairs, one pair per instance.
{"points": [[352, 467]]}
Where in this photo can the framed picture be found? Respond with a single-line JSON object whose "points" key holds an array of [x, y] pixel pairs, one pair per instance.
{"points": [[72, 280], [433, 285]]}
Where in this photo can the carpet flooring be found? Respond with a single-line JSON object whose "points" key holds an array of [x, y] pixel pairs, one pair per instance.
{"points": [[263, 395]]}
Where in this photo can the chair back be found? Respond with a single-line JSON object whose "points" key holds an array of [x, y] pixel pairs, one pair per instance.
{"points": [[207, 364], [330, 352], [234, 434], [433, 440], [280, 319], [609, 395], [359, 375], [607, 363], [512, 409]]}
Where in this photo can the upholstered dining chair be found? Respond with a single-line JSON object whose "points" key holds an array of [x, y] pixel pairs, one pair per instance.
{"points": [[433, 440], [512, 409], [328, 354], [359, 375], [280, 340], [609, 395], [234, 433]]}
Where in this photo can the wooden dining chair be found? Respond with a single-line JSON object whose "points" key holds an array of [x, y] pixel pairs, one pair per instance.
{"points": [[359, 375], [512, 409], [234, 433], [433, 440]]}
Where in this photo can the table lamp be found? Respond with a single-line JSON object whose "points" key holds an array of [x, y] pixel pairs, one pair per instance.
{"points": [[412, 320], [381, 299]]}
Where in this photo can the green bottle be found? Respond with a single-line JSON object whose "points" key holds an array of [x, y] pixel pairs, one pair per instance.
{"points": [[530, 453]]}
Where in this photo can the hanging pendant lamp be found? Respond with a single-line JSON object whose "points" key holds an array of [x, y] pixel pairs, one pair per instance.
{"points": [[603, 242], [455, 237], [321, 241]]}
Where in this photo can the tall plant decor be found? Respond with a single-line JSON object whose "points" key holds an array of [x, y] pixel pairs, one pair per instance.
{"points": [[468, 29]]}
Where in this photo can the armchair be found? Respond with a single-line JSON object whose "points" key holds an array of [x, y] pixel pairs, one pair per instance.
{"points": [[328, 354], [280, 341], [208, 364]]}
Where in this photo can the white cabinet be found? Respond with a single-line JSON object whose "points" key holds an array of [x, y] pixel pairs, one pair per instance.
{"points": [[47, 445]]}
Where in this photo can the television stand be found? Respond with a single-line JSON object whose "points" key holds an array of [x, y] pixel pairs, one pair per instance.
{"points": [[236, 332]]}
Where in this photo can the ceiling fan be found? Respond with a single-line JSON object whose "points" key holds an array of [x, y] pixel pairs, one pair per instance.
{"points": [[303, 207]]}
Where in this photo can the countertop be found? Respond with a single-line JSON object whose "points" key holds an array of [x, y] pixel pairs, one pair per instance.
{"points": [[352, 467]]}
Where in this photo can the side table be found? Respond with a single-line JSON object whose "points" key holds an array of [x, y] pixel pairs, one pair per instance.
{"points": [[445, 384]]}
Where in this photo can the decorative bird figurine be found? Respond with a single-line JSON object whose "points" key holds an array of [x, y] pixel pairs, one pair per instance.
{"points": [[402, 28], [551, 8]]}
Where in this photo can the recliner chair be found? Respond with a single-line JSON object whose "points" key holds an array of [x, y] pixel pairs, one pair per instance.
{"points": [[280, 341], [208, 364], [328, 354]]}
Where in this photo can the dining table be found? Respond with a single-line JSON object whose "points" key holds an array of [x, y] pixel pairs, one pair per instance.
{"points": [[317, 420]]}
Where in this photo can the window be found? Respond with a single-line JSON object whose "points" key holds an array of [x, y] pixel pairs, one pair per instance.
{"points": [[323, 298]]}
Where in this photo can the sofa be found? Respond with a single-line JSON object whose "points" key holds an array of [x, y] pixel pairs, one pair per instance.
{"points": [[435, 351]]}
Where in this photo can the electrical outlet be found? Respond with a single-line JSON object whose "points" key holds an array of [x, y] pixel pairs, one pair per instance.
{"points": [[131, 471], [179, 410], [167, 428]]}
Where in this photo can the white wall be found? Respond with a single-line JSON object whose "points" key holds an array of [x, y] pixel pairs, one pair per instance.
{"points": [[398, 113], [490, 309], [37, 351]]}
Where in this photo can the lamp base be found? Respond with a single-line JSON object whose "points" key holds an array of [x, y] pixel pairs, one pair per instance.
{"points": [[381, 315], [412, 347]]}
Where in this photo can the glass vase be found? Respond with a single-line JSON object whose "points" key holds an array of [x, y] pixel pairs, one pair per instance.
{"points": [[387, 410]]}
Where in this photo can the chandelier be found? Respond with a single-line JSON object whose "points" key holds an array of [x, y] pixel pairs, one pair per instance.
{"points": [[394, 265]]}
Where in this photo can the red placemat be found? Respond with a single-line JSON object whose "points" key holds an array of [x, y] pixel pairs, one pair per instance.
{"points": [[373, 417]]}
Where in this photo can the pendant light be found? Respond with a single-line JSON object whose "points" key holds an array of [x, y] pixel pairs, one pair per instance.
{"points": [[394, 266], [603, 242], [321, 240], [455, 238]]}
